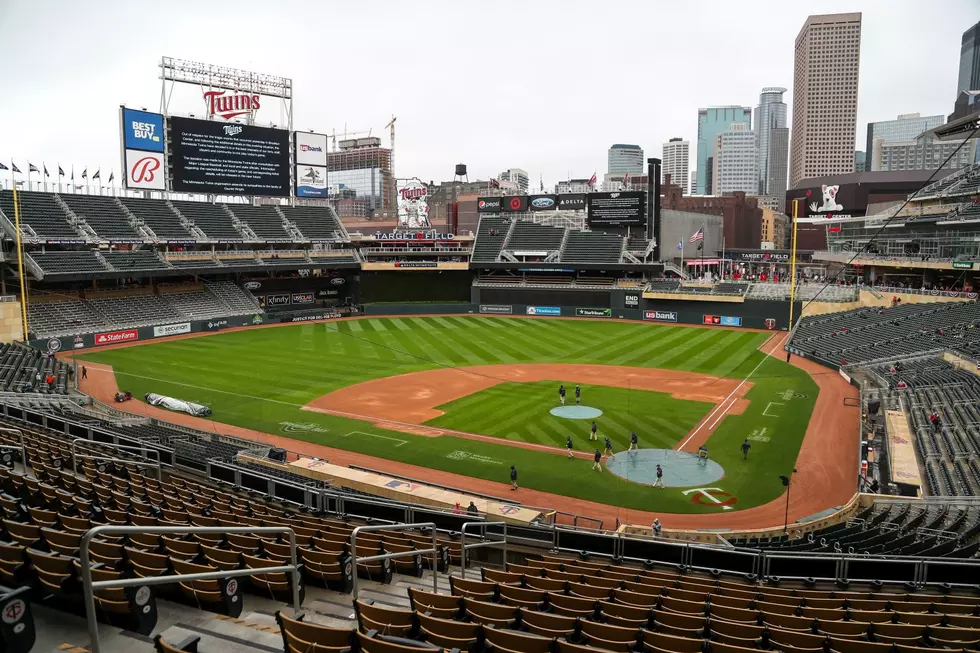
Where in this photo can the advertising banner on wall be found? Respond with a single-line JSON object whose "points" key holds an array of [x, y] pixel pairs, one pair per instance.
{"points": [[112, 337], [488, 205], [413, 205], [144, 170], [513, 203], [617, 209], [593, 312], [228, 159], [496, 309], [631, 300], [571, 202], [311, 181], [660, 316], [142, 130], [543, 310], [311, 149], [722, 320], [542, 202], [171, 329]]}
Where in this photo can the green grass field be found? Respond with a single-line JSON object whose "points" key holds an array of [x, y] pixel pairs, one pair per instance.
{"points": [[260, 378], [519, 411]]}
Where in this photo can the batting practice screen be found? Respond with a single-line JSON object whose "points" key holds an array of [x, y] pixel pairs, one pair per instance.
{"points": [[616, 209], [228, 158]]}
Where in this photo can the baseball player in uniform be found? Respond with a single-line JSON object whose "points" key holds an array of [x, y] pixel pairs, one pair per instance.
{"points": [[594, 434], [597, 461], [609, 450], [660, 478], [634, 446], [561, 394], [578, 394], [568, 445]]}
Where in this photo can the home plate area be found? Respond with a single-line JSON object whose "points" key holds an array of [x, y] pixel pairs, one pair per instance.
{"points": [[681, 469]]}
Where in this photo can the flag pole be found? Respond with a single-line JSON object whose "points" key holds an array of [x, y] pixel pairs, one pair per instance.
{"points": [[792, 263], [20, 266], [722, 266], [702, 251]]}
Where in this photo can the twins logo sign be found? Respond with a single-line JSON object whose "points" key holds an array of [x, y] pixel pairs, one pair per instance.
{"points": [[770, 323]]}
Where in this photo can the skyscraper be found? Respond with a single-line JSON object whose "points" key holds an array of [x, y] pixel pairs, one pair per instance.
{"points": [[969, 77], [625, 158], [735, 161], [905, 128], [711, 122], [770, 115], [825, 90], [676, 163], [516, 176]]}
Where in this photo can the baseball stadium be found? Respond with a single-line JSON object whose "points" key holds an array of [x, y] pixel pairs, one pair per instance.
{"points": [[477, 420]]}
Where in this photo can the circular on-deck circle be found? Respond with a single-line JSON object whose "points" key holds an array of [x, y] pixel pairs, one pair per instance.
{"points": [[576, 412], [681, 469]]}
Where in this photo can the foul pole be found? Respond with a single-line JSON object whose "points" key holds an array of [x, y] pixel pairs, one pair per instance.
{"points": [[792, 267], [20, 266]]}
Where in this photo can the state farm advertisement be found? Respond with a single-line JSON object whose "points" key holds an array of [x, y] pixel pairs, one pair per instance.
{"points": [[112, 337]]}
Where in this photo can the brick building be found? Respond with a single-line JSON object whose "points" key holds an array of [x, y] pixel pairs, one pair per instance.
{"points": [[742, 226]]}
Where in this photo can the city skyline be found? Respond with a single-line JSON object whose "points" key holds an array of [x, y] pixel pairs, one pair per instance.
{"points": [[485, 132]]}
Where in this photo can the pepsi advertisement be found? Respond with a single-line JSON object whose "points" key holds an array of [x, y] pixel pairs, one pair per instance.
{"points": [[142, 130], [543, 202], [488, 205], [228, 158]]}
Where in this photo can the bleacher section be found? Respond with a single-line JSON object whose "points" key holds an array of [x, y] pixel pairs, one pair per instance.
{"points": [[316, 222], [135, 261], [25, 369], [490, 237], [73, 315], [264, 221], [103, 215], [804, 291], [949, 451], [67, 262], [533, 237], [592, 247], [40, 214], [159, 217], [867, 334], [212, 219], [962, 182]]}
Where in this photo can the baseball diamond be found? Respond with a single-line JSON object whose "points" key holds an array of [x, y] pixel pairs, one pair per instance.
{"points": [[486, 385]]}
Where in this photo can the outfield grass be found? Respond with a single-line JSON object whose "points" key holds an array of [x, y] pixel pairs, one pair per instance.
{"points": [[520, 411], [259, 378]]}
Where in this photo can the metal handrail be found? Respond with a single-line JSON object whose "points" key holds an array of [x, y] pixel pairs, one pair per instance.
{"points": [[125, 461], [93, 445], [482, 525], [23, 443], [89, 586], [388, 556]]}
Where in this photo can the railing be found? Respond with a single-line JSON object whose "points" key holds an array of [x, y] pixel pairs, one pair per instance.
{"points": [[388, 556], [920, 291], [22, 447], [89, 586], [124, 461], [94, 446], [482, 525]]}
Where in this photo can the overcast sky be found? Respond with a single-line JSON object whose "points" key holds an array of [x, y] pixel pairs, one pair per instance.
{"points": [[546, 86]]}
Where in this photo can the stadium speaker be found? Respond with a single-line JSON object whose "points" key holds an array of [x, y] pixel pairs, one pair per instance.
{"points": [[874, 407], [277, 454], [460, 169]]}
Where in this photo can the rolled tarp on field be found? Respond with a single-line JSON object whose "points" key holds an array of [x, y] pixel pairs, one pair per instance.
{"points": [[177, 405]]}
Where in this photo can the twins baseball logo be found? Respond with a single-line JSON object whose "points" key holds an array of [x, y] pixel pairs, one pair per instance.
{"points": [[233, 130], [229, 106], [770, 323], [144, 170]]}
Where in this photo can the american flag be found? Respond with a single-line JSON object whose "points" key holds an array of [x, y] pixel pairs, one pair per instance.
{"points": [[592, 180], [698, 235]]}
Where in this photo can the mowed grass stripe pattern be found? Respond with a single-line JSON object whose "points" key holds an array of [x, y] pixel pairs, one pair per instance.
{"points": [[521, 411], [259, 378]]}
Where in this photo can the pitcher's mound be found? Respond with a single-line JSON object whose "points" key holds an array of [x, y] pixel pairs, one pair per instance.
{"points": [[576, 412]]}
